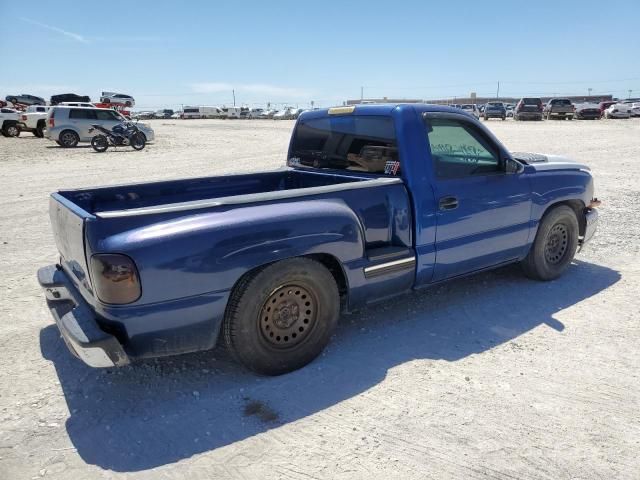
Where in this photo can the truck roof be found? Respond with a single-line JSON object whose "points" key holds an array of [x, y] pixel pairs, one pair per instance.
{"points": [[383, 109]]}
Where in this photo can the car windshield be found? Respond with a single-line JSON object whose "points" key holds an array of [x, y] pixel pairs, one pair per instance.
{"points": [[495, 105], [531, 101]]}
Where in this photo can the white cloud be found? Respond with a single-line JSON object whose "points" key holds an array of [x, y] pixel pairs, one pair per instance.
{"points": [[253, 89], [75, 36]]}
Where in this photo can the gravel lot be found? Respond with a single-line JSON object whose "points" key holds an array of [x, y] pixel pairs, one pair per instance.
{"points": [[494, 376]]}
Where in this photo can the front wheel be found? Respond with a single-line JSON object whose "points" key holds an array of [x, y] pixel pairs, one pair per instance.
{"points": [[554, 246], [100, 143], [280, 318], [138, 141]]}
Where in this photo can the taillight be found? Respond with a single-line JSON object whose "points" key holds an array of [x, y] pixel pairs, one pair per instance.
{"points": [[115, 278], [24, 118], [52, 123]]}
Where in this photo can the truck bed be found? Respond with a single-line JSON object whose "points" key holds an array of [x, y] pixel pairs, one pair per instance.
{"points": [[187, 194]]}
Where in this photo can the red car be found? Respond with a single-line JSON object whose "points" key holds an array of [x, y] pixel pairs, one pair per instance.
{"points": [[602, 106]]}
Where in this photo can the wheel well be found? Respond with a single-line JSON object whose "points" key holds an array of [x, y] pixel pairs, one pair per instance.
{"points": [[41, 123], [330, 262], [578, 207], [335, 268]]}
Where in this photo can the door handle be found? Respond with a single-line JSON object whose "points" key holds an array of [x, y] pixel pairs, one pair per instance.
{"points": [[448, 203]]}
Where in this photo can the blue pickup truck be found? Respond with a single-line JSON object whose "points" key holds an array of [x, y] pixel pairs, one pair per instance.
{"points": [[375, 201]]}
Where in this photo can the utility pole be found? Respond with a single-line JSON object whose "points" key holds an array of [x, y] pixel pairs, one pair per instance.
{"points": [[498, 90], [629, 97], [234, 97], [361, 94], [590, 91]]}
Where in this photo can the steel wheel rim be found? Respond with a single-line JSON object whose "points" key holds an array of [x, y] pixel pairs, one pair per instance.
{"points": [[557, 244], [288, 316], [12, 131]]}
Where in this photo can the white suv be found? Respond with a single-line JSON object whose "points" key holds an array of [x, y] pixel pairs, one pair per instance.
{"points": [[68, 126]]}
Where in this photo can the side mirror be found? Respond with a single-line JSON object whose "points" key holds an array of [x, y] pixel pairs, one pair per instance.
{"points": [[511, 166]]}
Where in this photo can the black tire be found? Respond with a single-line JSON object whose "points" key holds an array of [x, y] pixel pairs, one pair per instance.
{"points": [[504, 118], [281, 317], [554, 246], [13, 100], [100, 143], [11, 130], [68, 139], [39, 132], [106, 100], [138, 141]]}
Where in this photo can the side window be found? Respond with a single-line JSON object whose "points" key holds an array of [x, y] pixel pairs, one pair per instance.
{"points": [[459, 150], [82, 114], [107, 115]]}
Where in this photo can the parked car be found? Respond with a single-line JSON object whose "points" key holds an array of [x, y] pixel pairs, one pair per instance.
{"points": [[177, 115], [264, 262], [34, 119], [145, 115], [635, 109], [471, 108], [267, 114], [69, 97], [494, 110], [587, 111], [119, 98], [559, 108], [528, 108], [509, 109], [68, 126], [25, 99], [286, 114], [77, 104], [255, 113], [618, 110], [602, 106], [165, 113], [9, 122]]}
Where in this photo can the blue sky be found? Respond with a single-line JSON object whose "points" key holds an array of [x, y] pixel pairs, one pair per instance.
{"points": [[171, 53]]}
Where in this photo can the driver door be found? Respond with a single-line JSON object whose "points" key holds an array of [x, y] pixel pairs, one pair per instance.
{"points": [[483, 211]]}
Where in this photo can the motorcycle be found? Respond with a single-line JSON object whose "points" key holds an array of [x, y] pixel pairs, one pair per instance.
{"points": [[124, 134]]}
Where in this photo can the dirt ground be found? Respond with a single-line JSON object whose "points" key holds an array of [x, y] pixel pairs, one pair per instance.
{"points": [[493, 376]]}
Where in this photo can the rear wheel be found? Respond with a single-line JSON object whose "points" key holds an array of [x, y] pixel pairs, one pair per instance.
{"points": [[100, 143], [39, 131], [11, 130], [68, 139], [280, 318], [554, 246]]}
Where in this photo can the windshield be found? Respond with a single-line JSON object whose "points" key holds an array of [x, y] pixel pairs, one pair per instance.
{"points": [[356, 143]]}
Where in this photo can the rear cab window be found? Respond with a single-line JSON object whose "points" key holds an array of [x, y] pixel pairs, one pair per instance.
{"points": [[359, 143]]}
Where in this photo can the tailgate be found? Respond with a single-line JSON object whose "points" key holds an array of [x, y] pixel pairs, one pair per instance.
{"points": [[67, 223]]}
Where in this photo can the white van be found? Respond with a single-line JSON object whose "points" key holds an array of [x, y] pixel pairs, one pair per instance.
{"points": [[202, 112], [231, 112]]}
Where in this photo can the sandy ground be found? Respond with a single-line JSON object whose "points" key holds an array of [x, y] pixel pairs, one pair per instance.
{"points": [[494, 376]]}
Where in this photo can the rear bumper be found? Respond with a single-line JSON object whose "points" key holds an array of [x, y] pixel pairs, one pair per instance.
{"points": [[77, 324], [529, 115]]}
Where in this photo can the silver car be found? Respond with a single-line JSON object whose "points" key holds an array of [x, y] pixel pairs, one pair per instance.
{"points": [[68, 126]]}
